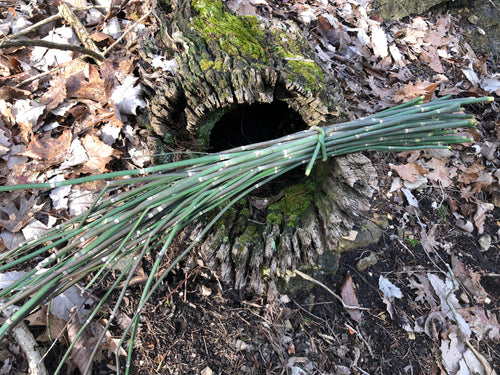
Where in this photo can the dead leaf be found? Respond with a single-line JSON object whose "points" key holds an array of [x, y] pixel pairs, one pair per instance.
{"points": [[82, 350], [379, 40], [437, 35], [56, 327], [483, 323], [440, 172], [442, 290], [457, 359], [56, 93], [19, 211], [99, 155], [432, 59], [428, 239], [52, 151], [128, 96], [246, 7], [424, 291], [469, 279], [99, 36], [480, 215], [413, 90], [109, 343], [410, 171], [9, 93], [483, 182], [390, 292], [349, 298]]}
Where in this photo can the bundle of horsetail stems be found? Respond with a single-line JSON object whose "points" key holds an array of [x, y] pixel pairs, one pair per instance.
{"points": [[161, 200]]}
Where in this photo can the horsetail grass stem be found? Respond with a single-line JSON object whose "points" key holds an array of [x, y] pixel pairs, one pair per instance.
{"points": [[161, 201]]}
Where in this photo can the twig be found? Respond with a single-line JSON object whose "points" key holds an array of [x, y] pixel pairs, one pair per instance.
{"points": [[38, 76], [28, 345], [106, 51], [309, 278], [31, 28], [358, 333], [45, 21], [67, 14], [47, 44]]}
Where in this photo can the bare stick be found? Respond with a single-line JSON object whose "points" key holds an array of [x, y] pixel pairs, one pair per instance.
{"points": [[309, 278], [38, 76], [106, 51], [47, 44], [28, 345]]}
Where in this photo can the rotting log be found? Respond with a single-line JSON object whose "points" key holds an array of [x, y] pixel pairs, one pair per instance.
{"points": [[225, 62]]}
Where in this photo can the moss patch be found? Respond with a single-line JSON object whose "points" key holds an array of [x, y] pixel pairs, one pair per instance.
{"points": [[295, 201], [307, 71], [236, 35], [290, 48]]}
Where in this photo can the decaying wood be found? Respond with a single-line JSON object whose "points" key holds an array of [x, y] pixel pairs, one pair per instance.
{"points": [[341, 201], [254, 62], [232, 61]]}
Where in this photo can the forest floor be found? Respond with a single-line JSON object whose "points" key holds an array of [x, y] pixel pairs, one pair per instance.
{"points": [[442, 206]]}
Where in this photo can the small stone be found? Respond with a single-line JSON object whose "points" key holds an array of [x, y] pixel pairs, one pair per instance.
{"points": [[366, 262], [206, 371], [485, 242], [473, 19]]}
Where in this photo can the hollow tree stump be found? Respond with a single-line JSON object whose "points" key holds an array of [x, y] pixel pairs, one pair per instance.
{"points": [[223, 62]]}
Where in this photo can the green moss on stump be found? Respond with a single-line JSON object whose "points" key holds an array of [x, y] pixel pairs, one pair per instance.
{"points": [[236, 35], [295, 201]]}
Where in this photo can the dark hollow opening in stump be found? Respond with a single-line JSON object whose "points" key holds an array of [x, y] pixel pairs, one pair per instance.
{"points": [[252, 123]]}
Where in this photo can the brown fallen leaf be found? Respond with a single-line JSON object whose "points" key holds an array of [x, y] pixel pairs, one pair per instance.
{"points": [[428, 239], [56, 93], [349, 298], [413, 90], [483, 323], [484, 182], [82, 350], [431, 58], [19, 209], [420, 282], [440, 173], [480, 215], [471, 173], [409, 171], [469, 279], [99, 155], [51, 151], [56, 327]]}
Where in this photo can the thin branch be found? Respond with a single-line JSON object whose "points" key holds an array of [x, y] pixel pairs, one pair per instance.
{"points": [[24, 338], [106, 51], [38, 76], [52, 45], [319, 283], [31, 28]]}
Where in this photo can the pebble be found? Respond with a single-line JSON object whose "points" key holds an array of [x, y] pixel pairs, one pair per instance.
{"points": [[366, 262], [485, 242]]}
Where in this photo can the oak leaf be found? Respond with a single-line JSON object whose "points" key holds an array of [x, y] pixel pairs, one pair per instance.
{"points": [[410, 171], [99, 153], [51, 151]]}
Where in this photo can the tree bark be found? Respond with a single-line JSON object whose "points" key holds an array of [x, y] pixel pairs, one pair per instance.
{"points": [[225, 61]]}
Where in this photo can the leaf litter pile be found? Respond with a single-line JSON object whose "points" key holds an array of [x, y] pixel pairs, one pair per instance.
{"points": [[428, 289]]}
